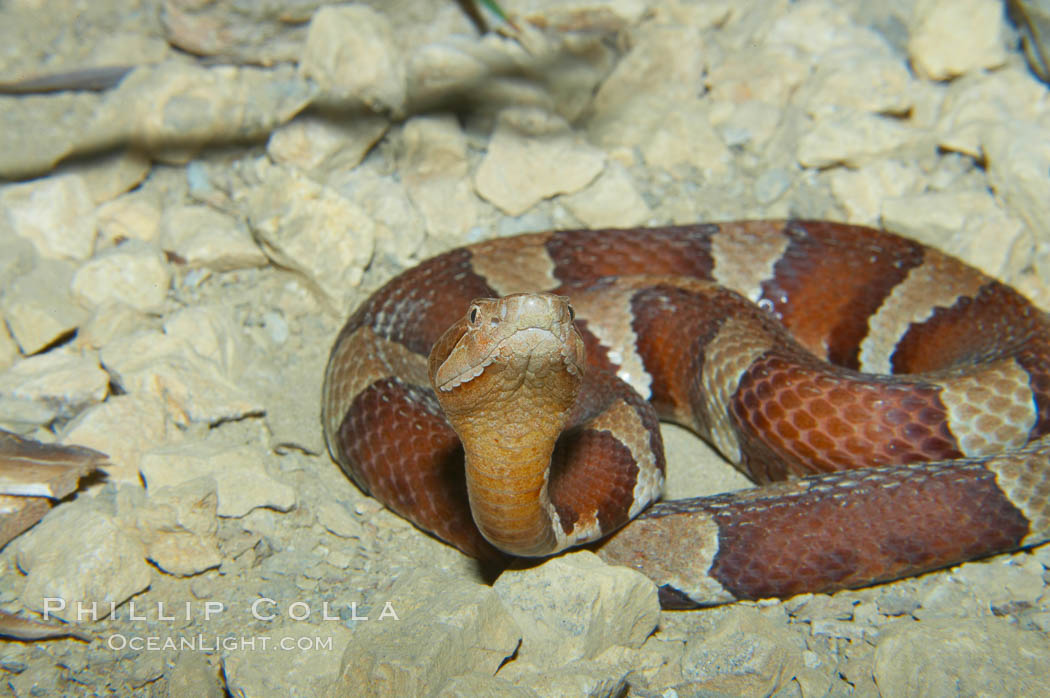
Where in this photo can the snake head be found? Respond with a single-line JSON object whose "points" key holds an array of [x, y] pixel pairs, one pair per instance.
{"points": [[520, 343]]}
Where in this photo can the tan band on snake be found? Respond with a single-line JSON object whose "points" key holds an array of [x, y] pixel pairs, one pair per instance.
{"points": [[910, 392]]}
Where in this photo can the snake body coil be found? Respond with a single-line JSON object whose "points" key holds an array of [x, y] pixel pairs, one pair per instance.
{"points": [[911, 391]]}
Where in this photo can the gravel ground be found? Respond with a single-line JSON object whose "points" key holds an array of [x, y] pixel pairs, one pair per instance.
{"points": [[185, 229]]}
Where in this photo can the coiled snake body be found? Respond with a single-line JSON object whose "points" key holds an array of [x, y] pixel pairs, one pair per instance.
{"points": [[910, 391]]}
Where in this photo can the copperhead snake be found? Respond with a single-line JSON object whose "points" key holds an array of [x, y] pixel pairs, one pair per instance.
{"points": [[890, 402]]}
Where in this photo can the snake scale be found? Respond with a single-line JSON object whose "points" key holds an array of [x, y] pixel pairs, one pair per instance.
{"points": [[889, 401]]}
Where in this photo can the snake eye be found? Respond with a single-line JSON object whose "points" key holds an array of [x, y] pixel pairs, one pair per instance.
{"points": [[472, 318]]}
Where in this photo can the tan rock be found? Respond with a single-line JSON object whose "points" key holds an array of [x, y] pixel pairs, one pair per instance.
{"points": [[746, 654], [59, 383], [204, 237], [953, 37], [178, 527], [56, 214], [316, 143], [534, 155], [610, 201], [987, 656], [312, 229], [242, 481], [685, 138], [134, 273], [608, 606], [859, 79], [850, 138], [192, 386], [447, 627], [76, 557], [38, 306], [123, 427], [130, 217], [860, 192], [436, 174], [968, 224], [249, 672], [350, 52]]}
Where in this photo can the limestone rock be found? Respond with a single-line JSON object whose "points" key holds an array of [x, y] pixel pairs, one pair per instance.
{"points": [[986, 656], [350, 52], [685, 137], [534, 155], [310, 228], [447, 627], [191, 675], [249, 672], [134, 273], [576, 607], [434, 163], [79, 554], [60, 383], [178, 527], [850, 138], [970, 225], [242, 481], [319, 144], [124, 427], [953, 37], [747, 654], [1018, 155], [860, 79], [129, 217], [610, 201], [38, 306], [57, 214], [204, 237], [862, 191], [194, 387]]}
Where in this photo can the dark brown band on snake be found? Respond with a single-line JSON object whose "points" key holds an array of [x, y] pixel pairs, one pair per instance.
{"points": [[911, 389]]}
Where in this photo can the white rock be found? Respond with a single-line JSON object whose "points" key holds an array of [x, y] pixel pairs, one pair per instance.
{"points": [[109, 321], [312, 229], [860, 79], [204, 237], [953, 37], [984, 656], [860, 192], [193, 388], [8, 348], [57, 214], [850, 138], [241, 478], [976, 104], [610, 201], [59, 383], [447, 627], [129, 217], [400, 228], [38, 306], [249, 672], [1018, 160], [109, 175], [335, 517], [81, 556], [576, 607], [968, 224], [315, 143], [531, 156], [686, 137], [134, 273], [123, 427], [769, 74], [350, 52], [434, 169], [178, 527], [746, 654]]}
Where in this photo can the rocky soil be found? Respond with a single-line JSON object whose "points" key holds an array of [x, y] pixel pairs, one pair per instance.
{"points": [[199, 192]]}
